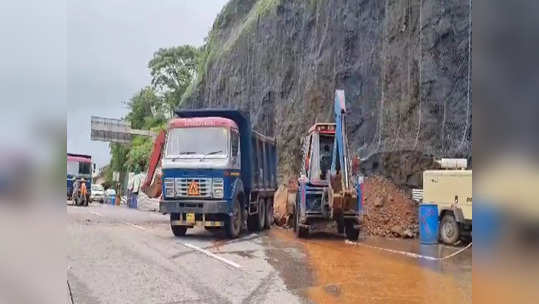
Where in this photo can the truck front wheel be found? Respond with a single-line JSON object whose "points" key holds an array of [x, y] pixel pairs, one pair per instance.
{"points": [[234, 222], [177, 230], [449, 229]]}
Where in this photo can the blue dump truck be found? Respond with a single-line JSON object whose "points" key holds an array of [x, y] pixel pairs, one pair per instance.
{"points": [[217, 172]]}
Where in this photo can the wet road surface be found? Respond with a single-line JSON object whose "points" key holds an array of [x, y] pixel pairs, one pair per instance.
{"points": [[119, 255]]}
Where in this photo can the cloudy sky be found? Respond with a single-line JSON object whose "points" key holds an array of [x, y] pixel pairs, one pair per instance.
{"points": [[109, 43]]}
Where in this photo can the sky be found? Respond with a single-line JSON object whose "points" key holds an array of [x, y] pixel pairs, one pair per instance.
{"points": [[109, 44]]}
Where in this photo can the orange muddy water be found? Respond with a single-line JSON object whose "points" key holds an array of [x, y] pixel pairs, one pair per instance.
{"points": [[342, 273]]}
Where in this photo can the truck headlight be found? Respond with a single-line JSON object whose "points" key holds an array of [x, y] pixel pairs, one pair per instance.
{"points": [[169, 187], [217, 188]]}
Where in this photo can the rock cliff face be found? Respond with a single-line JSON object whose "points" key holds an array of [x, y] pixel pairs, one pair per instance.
{"points": [[404, 66]]}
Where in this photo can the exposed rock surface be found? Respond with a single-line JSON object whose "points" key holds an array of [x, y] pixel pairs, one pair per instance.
{"points": [[404, 66]]}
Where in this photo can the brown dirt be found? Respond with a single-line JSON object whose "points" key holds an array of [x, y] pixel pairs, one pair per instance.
{"points": [[389, 210]]}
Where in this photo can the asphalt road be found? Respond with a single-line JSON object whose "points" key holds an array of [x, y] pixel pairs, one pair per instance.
{"points": [[120, 255]]}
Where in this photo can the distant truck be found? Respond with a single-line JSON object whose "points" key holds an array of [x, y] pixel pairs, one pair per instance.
{"points": [[79, 166], [216, 172], [451, 190]]}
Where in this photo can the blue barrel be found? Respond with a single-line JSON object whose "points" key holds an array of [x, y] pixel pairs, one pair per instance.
{"points": [[112, 199], [428, 223]]}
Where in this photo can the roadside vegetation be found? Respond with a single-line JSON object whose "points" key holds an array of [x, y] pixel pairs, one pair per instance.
{"points": [[172, 70]]}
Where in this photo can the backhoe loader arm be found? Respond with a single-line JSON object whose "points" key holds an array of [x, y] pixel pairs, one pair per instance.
{"points": [[340, 163]]}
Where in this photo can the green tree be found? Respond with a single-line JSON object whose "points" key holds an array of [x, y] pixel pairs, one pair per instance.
{"points": [[137, 158], [172, 71], [145, 107]]}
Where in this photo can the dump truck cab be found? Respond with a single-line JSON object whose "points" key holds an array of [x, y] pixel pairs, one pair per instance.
{"points": [[213, 168]]}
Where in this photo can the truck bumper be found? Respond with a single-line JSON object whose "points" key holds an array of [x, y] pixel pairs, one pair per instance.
{"points": [[190, 206]]}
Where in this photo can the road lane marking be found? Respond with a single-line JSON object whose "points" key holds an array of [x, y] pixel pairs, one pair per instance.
{"points": [[96, 213], [135, 226], [410, 254], [210, 254]]}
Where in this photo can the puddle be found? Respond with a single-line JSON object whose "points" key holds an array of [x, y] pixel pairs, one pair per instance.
{"points": [[354, 274]]}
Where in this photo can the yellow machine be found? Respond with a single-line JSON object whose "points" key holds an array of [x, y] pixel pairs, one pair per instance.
{"points": [[451, 190]]}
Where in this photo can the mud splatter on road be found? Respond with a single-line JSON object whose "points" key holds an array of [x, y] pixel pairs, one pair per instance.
{"points": [[352, 274]]}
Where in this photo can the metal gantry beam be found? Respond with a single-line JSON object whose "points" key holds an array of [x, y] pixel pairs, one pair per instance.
{"points": [[114, 130]]}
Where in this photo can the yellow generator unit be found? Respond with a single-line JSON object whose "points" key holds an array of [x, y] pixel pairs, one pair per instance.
{"points": [[451, 190]]}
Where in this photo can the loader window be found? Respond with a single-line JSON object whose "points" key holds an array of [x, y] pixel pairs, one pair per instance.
{"points": [[326, 154]]}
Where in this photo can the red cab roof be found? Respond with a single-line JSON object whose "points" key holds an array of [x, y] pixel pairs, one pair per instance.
{"points": [[197, 122], [324, 128], [79, 159]]}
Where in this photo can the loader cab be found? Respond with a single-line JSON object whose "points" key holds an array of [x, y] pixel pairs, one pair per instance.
{"points": [[318, 153]]}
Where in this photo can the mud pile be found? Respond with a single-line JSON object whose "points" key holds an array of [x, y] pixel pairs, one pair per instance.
{"points": [[389, 211]]}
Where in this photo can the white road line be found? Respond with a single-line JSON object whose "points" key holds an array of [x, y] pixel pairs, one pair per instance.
{"points": [[210, 254], [410, 254], [135, 226], [96, 213]]}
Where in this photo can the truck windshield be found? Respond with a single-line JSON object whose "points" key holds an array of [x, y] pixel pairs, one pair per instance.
{"points": [[85, 168], [75, 167], [207, 142]]}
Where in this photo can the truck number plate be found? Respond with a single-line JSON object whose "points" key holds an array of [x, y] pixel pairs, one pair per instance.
{"points": [[190, 218]]}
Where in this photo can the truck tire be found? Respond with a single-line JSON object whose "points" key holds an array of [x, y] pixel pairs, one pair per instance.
{"points": [[256, 221], [301, 232], [352, 233], [449, 229], [233, 222], [261, 215], [177, 230], [269, 213]]}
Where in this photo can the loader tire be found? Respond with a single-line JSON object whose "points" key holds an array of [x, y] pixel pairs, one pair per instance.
{"points": [[301, 232], [352, 233]]}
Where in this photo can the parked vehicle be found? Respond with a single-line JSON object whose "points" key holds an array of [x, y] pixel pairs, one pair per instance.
{"points": [[98, 193], [326, 192], [216, 172], [451, 190], [79, 166]]}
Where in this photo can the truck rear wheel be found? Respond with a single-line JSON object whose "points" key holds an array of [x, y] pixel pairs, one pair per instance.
{"points": [[177, 230], [234, 222], [269, 213], [256, 221], [449, 229]]}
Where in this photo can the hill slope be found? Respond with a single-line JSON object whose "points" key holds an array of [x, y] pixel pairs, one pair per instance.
{"points": [[405, 68]]}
